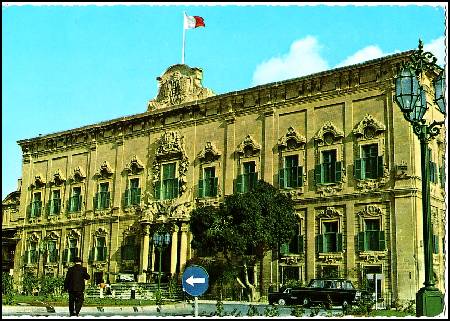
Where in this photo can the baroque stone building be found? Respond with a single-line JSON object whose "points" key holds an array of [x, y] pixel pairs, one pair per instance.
{"points": [[336, 141]]}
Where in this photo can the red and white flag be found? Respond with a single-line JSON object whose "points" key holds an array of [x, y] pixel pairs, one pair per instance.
{"points": [[191, 22]]}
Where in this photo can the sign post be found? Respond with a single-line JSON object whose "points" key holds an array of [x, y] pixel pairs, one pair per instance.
{"points": [[195, 282]]}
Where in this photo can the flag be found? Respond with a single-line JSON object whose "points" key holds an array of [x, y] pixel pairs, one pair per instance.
{"points": [[191, 22]]}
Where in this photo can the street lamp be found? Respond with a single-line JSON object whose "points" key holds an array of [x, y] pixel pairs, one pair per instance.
{"points": [[410, 95], [161, 240]]}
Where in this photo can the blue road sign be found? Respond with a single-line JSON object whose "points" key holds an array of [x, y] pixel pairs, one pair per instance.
{"points": [[195, 280]]}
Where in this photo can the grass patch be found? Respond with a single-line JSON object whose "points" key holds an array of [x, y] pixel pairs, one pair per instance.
{"points": [[389, 313]]}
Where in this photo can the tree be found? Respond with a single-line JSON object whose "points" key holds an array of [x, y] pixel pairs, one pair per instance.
{"points": [[244, 228]]}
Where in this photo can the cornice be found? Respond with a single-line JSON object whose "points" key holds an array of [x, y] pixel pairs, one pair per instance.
{"points": [[318, 86]]}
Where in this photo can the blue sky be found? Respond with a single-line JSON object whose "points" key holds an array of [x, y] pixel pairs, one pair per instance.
{"points": [[64, 67]]}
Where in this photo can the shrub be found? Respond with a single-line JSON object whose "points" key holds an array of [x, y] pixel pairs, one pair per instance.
{"points": [[219, 309], [271, 311], [30, 282], [51, 285], [8, 288], [297, 311], [252, 311], [293, 284]]}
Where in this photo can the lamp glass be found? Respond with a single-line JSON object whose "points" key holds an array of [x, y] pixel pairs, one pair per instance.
{"points": [[406, 90], [439, 92], [420, 108]]}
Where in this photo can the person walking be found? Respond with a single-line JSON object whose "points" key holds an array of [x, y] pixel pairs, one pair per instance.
{"points": [[74, 284]]}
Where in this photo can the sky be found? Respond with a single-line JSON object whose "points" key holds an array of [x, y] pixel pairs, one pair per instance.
{"points": [[67, 66]]}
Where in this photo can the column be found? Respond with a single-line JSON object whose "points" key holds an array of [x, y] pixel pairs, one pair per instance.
{"points": [[267, 170], [310, 244], [183, 246], [144, 254], [173, 252], [351, 233]]}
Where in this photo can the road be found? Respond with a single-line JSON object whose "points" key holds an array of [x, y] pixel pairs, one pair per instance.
{"points": [[178, 309]]}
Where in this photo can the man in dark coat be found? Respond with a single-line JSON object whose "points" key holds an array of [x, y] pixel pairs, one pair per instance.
{"points": [[74, 284]]}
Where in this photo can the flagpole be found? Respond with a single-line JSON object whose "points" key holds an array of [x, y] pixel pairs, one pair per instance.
{"points": [[184, 37]]}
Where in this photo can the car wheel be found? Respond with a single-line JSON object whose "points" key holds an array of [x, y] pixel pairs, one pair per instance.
{"points": [[306, 302], [282, 302]]}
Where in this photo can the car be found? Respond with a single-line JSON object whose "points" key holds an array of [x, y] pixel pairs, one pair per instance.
{"points": [[125, 277], [325, 291]]}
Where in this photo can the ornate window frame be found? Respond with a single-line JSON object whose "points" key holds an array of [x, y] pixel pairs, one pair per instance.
{"points": [[33, 237], [210, 157], [326, 215], [99, 265], [134, 169], [329, 137], [370, 131], [290, 144], [247, 151], [104, 175], [372, 211], [52, 236], [73, 234], [77, 179], [171, 148]]}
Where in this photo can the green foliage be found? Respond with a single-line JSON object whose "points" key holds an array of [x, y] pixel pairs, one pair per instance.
{"points": [[51, 285], [158, 297], [362, 308], [219, 309], [293, 284], [172, 287], [30, 282], [271, 311], [315, 310], [252, 311], [297, 311], [7, 288]]}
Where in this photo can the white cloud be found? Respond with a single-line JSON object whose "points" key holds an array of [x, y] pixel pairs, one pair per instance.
{"points": [[302, 59], [365, 54], [437, 48]]}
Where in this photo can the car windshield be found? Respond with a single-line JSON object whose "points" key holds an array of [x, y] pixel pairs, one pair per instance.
{"points": [[316, 284]]}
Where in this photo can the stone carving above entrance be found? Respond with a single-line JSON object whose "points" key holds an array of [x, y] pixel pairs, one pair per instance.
{"points": [[38, 182], [105, 170], [370, 210], [179, 84], [58, 178], [329, 212]]}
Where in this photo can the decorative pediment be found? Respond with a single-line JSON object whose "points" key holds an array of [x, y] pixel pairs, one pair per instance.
{"points": [[135, 166], [53, 235], [74, 234], [33, 237], [249, 147], [291, 140], [105, 170], [38, 182], [328, 134], [78, 174], [209, 153], [368, 127], [58, 178], [179, 84], [100, 232], [370, 210], [132, 230], [171, 144], [329, 212]]}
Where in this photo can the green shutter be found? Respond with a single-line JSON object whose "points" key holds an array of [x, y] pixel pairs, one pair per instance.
{"points": [[65, 255], [176, 188], [138, 195], [358, 168], [281, 180], [284, 249], [96, 201], [239, 183], [92, 254], [339, 242], [215, 186], [126, 198], [301, 243], [105, 253], [318, 174], [300, 176], [381, 241], [108, 196], [338, 172], [158, 190], [200, 189], [362, 241], [435, 244], [319, 243], [380, 166], [253, 179]]}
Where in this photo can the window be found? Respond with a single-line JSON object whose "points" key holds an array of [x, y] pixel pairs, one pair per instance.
{"points": [[330, 240], [52, 252], [31, 256], [36, 205], [370, 165], [55, 203], [129, 249], [442, 174], [329, 271], [72, 251], [75, 200], [246, 181], [102, 198], [207, 187], [100, 250], [291, 176], [330, 170], [168, 188], [295, 245], [133, 194], [372, 239]]}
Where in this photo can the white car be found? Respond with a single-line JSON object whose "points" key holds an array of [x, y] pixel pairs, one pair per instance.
{"points": [[125, 277]]}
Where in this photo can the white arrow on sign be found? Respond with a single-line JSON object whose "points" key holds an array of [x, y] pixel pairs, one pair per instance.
{"points": [[192, 280]]}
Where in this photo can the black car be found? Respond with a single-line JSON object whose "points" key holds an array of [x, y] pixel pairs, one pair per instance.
{"points": [[326, 291]]}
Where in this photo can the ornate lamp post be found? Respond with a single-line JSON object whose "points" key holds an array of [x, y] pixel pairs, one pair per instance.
{"points": [[410, 94], [161, 240]]}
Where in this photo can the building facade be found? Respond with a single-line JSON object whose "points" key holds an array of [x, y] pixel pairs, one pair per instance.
{"points": [[335, 141]]}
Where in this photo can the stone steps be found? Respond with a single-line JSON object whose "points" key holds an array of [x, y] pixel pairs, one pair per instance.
{"points": [[143, 291]]}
